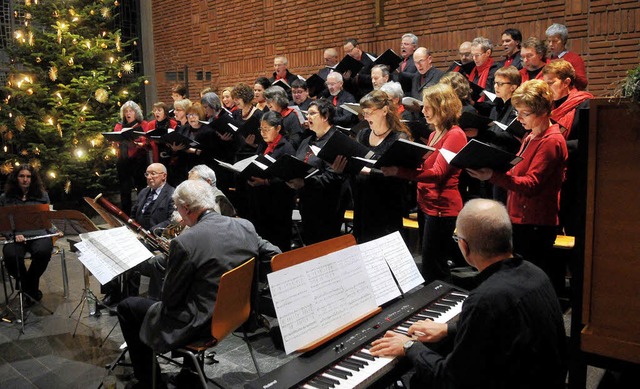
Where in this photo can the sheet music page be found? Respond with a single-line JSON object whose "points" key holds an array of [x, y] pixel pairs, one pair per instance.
{"points": [[384, 286], [114, 250], [101, 266], [317, 297], [400, 260]]}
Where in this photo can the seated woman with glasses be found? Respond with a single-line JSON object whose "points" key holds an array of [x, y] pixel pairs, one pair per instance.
{"points": [[378, 201], [534, 184], [438, 195]]}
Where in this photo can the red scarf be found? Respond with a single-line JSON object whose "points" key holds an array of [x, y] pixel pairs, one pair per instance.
{"points": [[335, 100], [286, 111], [483, 72], [565, 113], [271, 146], [400, 109]]}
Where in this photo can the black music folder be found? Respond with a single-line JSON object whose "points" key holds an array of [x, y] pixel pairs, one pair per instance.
{"points": [[349, 63], [251, 127], [476, 155], [404, 153], [390, 59], [315, 83], [476, 91], [289, 167], [515, 128], [126, 134], [466, 68], [282, 83], [254, 166], [155, 132], [473, 120], [341, 144], [174, 137]]}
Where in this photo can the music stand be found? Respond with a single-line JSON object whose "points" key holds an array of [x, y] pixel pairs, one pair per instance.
{"points": [[14, 218], [72, 222]]}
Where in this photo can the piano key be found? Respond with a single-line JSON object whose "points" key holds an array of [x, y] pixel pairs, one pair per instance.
{"points": [[365, 355], [338, 373], [349, 365], [327, 380], [357, 361], [318, 385]]}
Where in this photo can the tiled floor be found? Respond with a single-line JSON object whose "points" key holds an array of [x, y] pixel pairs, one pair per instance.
{"points": [[48, 355]]}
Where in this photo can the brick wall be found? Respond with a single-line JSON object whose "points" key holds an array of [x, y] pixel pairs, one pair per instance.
{"points": [[236, 41]]}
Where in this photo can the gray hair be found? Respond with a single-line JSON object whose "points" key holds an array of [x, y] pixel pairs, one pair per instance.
{"points": [[559, 30], [210, 99], [484, 43], [277, 95], [135, 107], [486, 227], [197, 195], [184, 104], [393, 89], [337, 76], [383, 68], [205, 173], [283, 58], [414, 39]]}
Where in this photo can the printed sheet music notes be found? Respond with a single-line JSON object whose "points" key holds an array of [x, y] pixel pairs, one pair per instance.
{"points": [[318, 297], [109, 253]]}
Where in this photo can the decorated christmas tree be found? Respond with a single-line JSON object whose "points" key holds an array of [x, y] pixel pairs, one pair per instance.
{"points": [[69, 74]]}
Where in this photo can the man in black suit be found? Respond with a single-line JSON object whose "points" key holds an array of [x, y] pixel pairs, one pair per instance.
{"points": [[212, 245], [154, 206], [360, 84], [339, 96], [427, 75], [407, 67], [331, 59], [152, 211]]}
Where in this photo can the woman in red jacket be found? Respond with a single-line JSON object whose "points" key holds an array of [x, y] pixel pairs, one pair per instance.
{"points": [[438, 195], [534, 184]]}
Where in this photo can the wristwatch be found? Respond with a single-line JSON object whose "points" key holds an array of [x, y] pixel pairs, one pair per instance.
{"points": [[407, 345]]}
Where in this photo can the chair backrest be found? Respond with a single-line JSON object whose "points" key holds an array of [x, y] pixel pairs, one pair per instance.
{"points": [[306, 253], [233, 303]]}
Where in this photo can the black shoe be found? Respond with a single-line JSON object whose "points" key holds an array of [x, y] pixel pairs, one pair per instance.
{"points": [[110, 300]]}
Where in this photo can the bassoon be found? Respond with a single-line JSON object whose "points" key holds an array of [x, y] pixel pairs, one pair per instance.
{"points": [[156, 242]]}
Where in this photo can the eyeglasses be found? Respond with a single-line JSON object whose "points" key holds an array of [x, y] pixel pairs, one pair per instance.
{"points": [[499, 84], [312, 113], [297, 91], [267, 129], [456, 238], [368, 112], [193, 115], [152, 174], [523, 114]]}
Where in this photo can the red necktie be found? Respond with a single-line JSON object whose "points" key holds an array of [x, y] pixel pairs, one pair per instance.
{"points": [[404, 64]]}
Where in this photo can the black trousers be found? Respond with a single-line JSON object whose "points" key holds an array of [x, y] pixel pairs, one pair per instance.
{"points": [[535, 244], [131, 312], [438, 247], [14, 254]]}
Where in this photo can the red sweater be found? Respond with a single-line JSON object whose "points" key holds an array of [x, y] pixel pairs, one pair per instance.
{"points": [[134, 150], [574, 59], [534, 184], [438, 193]]}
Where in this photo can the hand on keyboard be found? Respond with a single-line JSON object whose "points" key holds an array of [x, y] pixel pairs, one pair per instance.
{"points": [[428, 331], [390, 345]]}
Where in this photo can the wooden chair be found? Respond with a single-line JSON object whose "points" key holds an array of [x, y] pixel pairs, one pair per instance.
{"points": [[232, 309]]}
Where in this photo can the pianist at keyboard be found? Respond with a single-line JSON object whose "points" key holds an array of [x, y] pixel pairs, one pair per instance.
{"points": [[510, 332]]}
